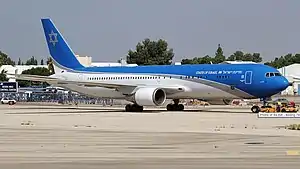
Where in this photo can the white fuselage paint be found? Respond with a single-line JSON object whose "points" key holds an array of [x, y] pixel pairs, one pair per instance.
{"points": [[192, 89]]}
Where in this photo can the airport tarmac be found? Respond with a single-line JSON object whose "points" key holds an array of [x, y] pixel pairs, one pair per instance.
{"points": [[37, 136]]}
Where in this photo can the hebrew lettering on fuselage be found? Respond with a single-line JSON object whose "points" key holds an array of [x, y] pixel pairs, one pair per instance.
{"points": [[227, 72]]}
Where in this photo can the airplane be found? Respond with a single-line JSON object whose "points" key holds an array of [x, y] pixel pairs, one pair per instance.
{"points": [[152, 85]]}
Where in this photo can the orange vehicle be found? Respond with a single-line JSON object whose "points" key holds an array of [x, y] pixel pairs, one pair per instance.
{"points": [[288, 108], [269, 108], [272, 108]]}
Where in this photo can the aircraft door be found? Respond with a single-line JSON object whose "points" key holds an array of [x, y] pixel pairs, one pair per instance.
{"points": [[248, 77], [80, 77]]}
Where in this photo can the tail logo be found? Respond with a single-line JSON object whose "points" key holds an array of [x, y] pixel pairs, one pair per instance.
{"points": [[53, 38]]}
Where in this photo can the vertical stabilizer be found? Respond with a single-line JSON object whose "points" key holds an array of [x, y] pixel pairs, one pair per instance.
{"points": [[62, 55]]}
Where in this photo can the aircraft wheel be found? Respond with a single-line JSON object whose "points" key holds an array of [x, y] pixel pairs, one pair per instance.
{"points": [[255, 109], [180, 107], [170, 107], [139, 108], [133, 108], [128, 108], [175, 107]]}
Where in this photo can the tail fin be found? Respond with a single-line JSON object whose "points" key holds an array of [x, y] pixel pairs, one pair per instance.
{"points": [[62, 55]]}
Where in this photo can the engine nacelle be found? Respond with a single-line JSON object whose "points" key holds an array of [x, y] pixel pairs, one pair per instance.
{"points": [[149, 97]]}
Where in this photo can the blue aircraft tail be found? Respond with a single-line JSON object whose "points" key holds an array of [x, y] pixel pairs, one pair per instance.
{"points": [[60, 51]]}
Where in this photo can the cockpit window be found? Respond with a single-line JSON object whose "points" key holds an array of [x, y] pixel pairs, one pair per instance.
{"points": [[277, 74], [271, 74]]}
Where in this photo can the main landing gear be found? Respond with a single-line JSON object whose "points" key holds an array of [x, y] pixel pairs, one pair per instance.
{"points": [[170, 107], [133, 108], [176, 106]]}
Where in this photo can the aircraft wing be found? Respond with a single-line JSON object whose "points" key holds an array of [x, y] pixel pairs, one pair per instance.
{"points": [[120, 87]]}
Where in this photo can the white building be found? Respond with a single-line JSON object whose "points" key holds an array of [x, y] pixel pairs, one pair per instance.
{"points": [[18, 69], [84, 60], [289, 72]]}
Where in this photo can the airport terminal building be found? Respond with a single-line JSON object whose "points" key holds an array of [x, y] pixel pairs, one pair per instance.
{"points": [[289, 72]]}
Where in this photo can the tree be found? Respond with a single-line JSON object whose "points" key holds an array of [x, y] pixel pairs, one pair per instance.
{"points": [[41, 71], [198, 60], [5, 60], [286, 60], [151, 53], [256, 57], [3, 76], [240, 56], [19, 62], [50, 65], [31, 61], [42, 62], [219, 57]]}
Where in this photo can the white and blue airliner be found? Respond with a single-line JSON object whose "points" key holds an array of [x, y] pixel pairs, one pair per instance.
{"points": [[153, 85]]}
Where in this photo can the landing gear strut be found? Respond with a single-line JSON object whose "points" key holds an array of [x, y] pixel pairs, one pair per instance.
{"points": [[133, 108], [176, 106]]}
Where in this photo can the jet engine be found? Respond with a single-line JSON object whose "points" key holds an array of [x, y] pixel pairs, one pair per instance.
{"points": [[148, 97]]}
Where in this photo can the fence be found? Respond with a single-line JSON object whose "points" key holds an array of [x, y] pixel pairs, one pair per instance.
{"points": [[62, 98]]}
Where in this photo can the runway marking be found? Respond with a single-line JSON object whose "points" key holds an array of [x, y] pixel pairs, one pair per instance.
{"points": [[293, 152]]}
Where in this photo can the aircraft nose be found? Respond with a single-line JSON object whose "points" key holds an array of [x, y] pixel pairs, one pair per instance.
{"points": [[283, 84]]}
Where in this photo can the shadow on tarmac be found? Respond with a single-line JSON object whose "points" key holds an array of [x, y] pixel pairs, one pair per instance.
{"points": [[82, 110]]}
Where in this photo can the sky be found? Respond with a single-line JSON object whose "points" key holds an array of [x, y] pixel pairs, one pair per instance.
{"points": [[107, 29]]}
